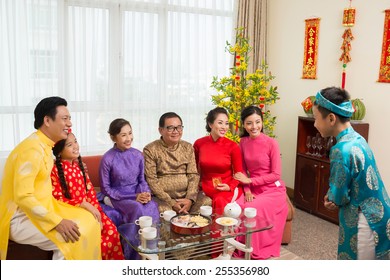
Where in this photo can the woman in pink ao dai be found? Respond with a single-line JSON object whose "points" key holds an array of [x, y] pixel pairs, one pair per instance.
{"points": [[264, 189]]}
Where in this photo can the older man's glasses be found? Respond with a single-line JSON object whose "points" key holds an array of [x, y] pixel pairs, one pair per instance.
{"points": [[172, 128]]}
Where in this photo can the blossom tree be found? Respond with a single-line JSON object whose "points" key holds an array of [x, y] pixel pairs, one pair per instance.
{"points": [[242, 89]]}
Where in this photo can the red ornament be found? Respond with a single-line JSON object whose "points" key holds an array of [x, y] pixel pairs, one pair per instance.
{"points": [[238, 57], [262, 98], [237, 78], [238, 63], [307, 104], [349, 17], [261, 106]]}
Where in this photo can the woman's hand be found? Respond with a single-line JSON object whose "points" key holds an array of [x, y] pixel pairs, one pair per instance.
{"points": [[94, 211], [329, 204], [249, 196], [239, 176], [143, 197], [223, 187]]}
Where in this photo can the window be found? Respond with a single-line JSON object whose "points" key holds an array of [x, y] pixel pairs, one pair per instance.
{"points": [[109, 59]]}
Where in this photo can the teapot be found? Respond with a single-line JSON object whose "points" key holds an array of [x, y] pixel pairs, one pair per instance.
{"points": [[232, 209]]}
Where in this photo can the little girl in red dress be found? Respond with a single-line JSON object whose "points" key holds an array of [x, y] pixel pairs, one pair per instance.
{"points": [[72, 185]]}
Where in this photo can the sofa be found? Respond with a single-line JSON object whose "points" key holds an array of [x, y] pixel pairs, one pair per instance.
{"points": [[27, 252], [287, 233]]}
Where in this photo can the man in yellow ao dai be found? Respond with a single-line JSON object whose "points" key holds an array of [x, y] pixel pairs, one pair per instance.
{"points": [[29, 214]]}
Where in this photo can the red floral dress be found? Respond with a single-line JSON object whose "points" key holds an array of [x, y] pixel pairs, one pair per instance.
{"points": [[110, 246]]}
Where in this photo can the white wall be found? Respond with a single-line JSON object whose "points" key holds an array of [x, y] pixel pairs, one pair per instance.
{"points": [[285, 58]]}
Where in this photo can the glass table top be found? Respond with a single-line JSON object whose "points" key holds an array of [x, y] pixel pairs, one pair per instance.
{"points": [[168, 240]]}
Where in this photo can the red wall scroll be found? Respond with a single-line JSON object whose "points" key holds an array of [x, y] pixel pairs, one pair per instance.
{"points": [[312, 30], [384, 70]]}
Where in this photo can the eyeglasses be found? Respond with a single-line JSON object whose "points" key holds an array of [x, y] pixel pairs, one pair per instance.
{"points": [[172, 128]]}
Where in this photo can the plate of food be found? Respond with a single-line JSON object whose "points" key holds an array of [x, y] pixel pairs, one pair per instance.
{"points": [[226, 221], [190, 224]]}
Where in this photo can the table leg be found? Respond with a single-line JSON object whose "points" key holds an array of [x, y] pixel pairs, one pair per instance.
{"points": [[248, 245], [161, 246], [143, 245], [225, 249], [240, 246]]}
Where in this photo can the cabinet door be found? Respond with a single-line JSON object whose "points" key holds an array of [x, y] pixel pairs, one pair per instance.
{"points": [[305, 189], [323, 188]]}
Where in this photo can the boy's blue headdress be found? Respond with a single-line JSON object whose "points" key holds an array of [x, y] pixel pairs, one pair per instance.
{"points": [[344, 109]]}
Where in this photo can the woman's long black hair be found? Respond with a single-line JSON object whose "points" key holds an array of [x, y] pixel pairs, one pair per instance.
{"points": [[57, 149]]}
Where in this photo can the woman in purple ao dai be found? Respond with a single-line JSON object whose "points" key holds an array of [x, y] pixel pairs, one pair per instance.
{"points": [[125, 194], [264, 189]]}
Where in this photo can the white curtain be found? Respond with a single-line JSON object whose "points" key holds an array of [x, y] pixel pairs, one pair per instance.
{"points": [[28, 65], [109, 59]]}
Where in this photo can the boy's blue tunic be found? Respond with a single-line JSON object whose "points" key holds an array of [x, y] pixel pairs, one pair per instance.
{"points": [[355, 184]]}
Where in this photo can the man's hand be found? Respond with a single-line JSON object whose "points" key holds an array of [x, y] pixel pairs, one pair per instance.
{"points": [[69, 230], [183, 205], [85, 167]]}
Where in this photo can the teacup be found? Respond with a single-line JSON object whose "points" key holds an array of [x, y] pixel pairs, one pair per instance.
{"points": [[168, 214], [250, 223], [148, 233], [144, 221], [250, 212], [206, 210]]}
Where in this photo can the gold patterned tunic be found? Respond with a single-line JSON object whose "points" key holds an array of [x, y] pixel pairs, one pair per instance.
{"points": [[172, 174]]}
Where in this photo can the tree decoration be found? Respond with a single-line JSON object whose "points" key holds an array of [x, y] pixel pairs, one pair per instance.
{"points": [[242, 89], [348, 21]]}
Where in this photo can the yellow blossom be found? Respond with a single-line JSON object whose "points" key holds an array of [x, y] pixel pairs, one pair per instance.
{"points": [[242, 89]]}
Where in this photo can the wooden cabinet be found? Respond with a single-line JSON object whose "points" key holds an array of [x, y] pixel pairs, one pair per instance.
{"points": [[312, 172]]}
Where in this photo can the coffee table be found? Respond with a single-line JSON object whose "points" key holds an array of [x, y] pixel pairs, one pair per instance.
{"points": [[220, 240]]}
